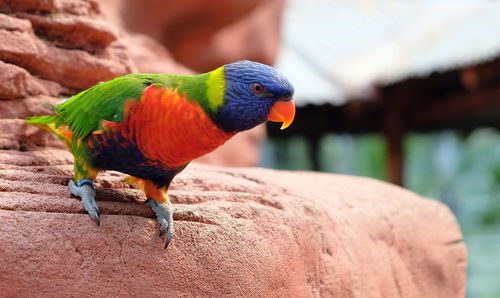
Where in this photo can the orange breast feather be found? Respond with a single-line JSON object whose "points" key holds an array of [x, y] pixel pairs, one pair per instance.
{"points": [[169, 129]]}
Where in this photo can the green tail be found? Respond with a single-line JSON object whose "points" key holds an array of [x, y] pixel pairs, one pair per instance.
{"points": [[41, 119], [50, 124]]}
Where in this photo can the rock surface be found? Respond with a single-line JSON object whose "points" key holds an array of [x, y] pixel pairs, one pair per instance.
{"points": [[73, 51], [239, 232]]}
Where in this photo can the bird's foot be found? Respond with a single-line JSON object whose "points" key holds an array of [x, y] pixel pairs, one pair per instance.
{"points": [[164, 213], [86, 191]]}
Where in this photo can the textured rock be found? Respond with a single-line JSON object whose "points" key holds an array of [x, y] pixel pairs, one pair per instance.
{"points": [[15, 134], [75, 7], [25, 107], [14, 24], [79, 69], [17, 82], [72, 51], [73, 31], [28, 5], [239, 232]]}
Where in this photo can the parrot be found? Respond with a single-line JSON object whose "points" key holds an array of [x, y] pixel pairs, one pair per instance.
{"points": [[151, 126]]}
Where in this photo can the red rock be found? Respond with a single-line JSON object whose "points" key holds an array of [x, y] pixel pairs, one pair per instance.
{"points": [[76, 7], [256, 37], [54, 89], [17, 82], [17, 46], [71, 68], [26, 107], [182, 22], [239, 232], [79, 69], [152, 57], [91, 52], [15, 134], [28, 5], [201, 35], [74, 32], [14, 24]]}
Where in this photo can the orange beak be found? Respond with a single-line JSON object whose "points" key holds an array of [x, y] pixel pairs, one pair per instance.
{"points": [[282, 111]]}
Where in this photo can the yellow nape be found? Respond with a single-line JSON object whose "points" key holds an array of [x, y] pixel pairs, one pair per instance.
{"points": [[215, 88]]}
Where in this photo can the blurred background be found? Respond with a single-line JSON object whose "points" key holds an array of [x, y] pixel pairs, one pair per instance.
{"points": [[402, 91]]}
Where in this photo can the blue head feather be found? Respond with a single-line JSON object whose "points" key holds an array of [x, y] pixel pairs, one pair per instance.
{"points": [[243, 109]]}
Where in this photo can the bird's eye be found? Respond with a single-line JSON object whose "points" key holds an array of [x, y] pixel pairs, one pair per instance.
{"points": [[257, 88]]}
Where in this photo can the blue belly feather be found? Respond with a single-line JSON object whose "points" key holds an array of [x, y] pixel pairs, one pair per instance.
{"points": [[112, 151]]}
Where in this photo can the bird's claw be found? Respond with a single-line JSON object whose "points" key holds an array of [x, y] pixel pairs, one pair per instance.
{"points": [[164, 213], [86, 191]]}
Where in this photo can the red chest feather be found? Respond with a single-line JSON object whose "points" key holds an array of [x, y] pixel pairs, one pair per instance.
{"points": [[167, 128]]}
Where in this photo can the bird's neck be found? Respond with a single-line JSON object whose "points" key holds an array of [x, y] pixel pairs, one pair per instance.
{"points": [[207, 89]]}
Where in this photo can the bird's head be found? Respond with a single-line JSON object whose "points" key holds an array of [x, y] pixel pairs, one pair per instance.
{"points": [[252, 94]]}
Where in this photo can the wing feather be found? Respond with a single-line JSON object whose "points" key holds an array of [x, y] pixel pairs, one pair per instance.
{"points": [[107, 101]]}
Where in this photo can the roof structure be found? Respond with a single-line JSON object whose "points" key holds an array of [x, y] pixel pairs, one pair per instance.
{"points": [[334, 50]]}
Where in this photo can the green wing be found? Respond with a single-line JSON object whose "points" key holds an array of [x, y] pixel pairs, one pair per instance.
{"points": [[105, 101]]}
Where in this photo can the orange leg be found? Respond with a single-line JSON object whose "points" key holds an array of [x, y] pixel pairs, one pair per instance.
{"points": [[159, 195], [159, 202]]}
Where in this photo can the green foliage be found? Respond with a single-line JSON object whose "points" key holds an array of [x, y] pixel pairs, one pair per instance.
{"points": [[292, 154], [362, 155]]}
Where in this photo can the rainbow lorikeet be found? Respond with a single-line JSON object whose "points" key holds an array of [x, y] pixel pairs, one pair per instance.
{"points": [[150, 126]]}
